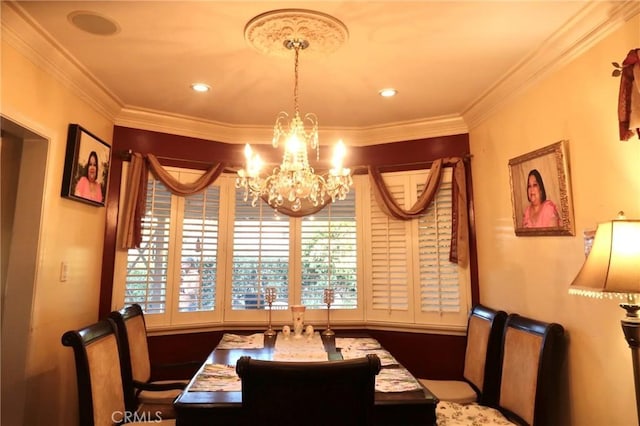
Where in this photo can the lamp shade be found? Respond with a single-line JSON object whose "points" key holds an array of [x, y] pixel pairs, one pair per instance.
{"points": [[612, 268]]}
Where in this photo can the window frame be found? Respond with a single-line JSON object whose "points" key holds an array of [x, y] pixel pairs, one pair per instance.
{"points": [[412, 317], [172, 319], [315, 316]]}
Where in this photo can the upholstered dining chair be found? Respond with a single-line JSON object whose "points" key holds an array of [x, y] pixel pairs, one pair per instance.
{"points": [[308, 393], [481, 361], [532, 355], [140, 390], [100, 391]]}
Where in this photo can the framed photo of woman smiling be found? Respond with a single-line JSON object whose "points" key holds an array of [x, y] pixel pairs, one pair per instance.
{"points": [[86, 167], [541, 193]]}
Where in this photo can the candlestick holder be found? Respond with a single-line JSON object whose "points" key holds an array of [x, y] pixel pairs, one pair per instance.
{"points": [[328, 299], [270, 297]]}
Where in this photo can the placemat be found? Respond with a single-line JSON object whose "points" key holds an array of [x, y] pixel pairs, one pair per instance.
{"points": [[396, 380], [385, 356], [216, 377], [361, 343], [238, 341]]}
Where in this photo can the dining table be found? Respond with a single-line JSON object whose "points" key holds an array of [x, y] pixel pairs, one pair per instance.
{"points": [[214, 395]]}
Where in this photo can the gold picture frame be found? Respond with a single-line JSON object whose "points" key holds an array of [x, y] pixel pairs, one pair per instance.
{"points": [[544, 207]]}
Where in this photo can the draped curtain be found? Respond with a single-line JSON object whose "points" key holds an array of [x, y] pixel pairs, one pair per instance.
{"points": [[136, 197], [135, 200], [459, 251], [629, 96]]}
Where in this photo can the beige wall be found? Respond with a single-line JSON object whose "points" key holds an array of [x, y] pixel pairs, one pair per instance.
{"points": [[531, 275], [528, 275], [70, 231]]}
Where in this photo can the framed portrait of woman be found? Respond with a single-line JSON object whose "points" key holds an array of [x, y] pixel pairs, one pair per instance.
{"points": [[86, 167], [541, 192]]}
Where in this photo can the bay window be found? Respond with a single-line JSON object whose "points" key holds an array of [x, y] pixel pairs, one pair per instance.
{"points": [[206, 259]]}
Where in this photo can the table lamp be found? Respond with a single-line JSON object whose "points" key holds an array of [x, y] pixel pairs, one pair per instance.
{"points": [[270, 297], [612, 270]]}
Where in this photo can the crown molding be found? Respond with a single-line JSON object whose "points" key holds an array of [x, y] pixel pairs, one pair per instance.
{"points": [[33, 42], [595, 21], [160, 121], [220, 132], [403, 131]]}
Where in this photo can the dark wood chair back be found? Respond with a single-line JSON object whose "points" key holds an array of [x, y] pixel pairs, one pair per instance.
{"points": [[532, 356], [101, 398], [309, 393], [134, 349], [100, 392], [482, 354]]}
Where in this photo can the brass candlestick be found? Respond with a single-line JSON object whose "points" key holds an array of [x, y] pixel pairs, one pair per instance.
{"points": [[270, 297], [328, 299]]}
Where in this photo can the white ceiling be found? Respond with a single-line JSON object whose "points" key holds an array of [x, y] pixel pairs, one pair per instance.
{"points": [[451, 61]]}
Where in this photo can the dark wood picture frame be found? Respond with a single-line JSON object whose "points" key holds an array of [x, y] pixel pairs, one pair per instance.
{"points": [[77, 182], [552, 167]]}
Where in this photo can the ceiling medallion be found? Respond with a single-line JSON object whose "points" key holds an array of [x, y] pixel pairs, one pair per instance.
{"points": [[266, 32]]}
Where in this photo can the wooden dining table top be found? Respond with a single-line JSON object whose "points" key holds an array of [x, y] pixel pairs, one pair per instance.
{"points": [[418, 406]]}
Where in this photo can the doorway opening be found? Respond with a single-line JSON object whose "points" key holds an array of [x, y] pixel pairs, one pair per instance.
{"points": [[23, 161]]}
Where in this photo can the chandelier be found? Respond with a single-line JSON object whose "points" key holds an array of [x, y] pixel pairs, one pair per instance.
{"points": [[293, 183]]}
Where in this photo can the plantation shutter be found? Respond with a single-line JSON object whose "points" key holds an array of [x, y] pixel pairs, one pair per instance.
{"points": [[439, 278], [329, 255], [148, 267], [146, 279], [411, 278], [199, 251], [260, 255], [390, 254]]}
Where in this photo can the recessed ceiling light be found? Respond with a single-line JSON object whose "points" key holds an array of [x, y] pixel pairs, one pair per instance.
{"points": [[387, 93], [200, 87]]}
